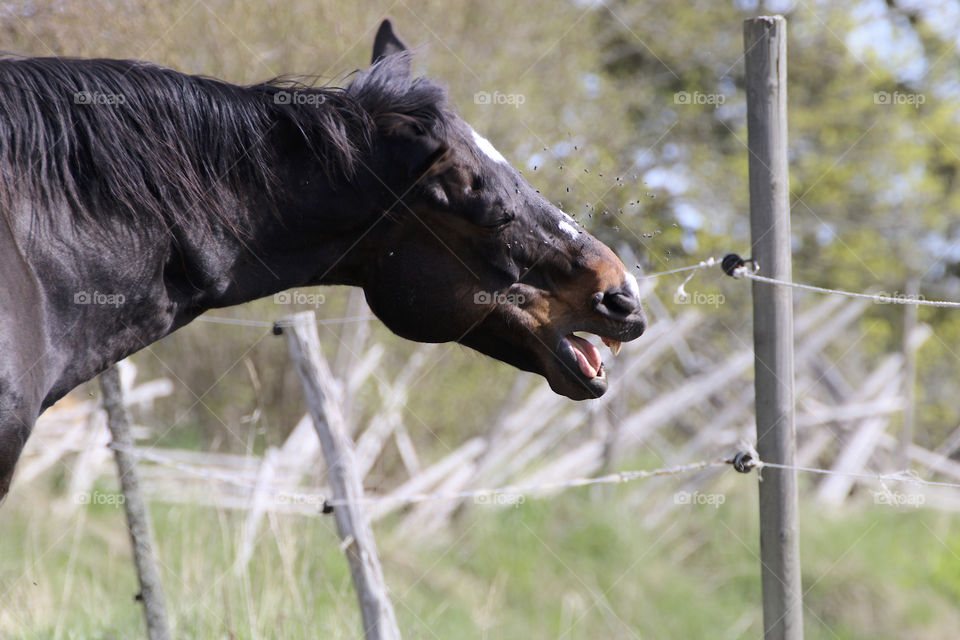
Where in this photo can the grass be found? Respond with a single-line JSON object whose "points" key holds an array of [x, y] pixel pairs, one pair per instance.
{"points": [[579, 565]]}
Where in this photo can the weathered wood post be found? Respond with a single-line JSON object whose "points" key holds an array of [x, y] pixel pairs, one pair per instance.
{"points": [[765, 46], [151, 590], [353, 525]]}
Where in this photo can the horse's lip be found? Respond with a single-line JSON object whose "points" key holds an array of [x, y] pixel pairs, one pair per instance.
{"points": [[578, 384], [573, 383]]}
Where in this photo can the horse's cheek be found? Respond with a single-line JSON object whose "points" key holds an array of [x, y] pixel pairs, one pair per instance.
{"points": [[419, 300]]}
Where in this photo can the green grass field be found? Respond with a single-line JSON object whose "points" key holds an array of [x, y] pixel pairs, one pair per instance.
{"points": [[577, 565]]}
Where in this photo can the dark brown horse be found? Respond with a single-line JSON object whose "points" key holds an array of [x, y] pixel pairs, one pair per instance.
{"points": [[134, 198]]}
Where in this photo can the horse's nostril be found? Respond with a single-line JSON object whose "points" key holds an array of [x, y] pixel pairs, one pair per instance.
{"points": [[620, 302]]}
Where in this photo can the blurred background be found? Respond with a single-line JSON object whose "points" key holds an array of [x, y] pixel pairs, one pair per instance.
{"points": [[631, 117]]}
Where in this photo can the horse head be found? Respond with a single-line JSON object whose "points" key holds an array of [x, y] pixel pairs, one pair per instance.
{"points": [[466, 250]]}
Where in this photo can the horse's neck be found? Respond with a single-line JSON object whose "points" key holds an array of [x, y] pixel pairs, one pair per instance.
{"points": [[142, 292], [279, 253]]}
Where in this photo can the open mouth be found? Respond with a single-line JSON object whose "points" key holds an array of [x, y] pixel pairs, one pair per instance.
{"points": [[574, 365], [578, 354]]}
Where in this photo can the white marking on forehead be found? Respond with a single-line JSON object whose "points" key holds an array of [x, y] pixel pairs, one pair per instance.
{"points": [[488, 149], [568, 225], [568, 229]]}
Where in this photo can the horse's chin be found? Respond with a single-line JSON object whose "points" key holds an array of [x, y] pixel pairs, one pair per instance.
{"points": [[576, 375]]}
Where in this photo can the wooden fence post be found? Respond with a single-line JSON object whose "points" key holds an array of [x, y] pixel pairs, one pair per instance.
{"points": [[151, 590], [353, 525], [765, 44]]}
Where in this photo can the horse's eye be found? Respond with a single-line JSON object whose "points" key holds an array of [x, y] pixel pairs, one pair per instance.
{"points": [[478, 183], [436, 195]]}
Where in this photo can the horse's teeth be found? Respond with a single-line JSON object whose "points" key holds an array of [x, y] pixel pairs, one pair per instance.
{"points": [[613, 344]]}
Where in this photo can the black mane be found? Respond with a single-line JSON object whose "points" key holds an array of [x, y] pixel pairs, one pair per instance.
{"points": [[107, 136]]}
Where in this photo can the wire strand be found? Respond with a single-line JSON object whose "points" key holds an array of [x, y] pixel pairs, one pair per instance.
{"points": [[240, 322], [709, 262], [743, 272], [906, 476], [511, 491]]}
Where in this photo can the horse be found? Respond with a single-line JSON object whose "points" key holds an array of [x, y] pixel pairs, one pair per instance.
{"points": [[135, 198]]}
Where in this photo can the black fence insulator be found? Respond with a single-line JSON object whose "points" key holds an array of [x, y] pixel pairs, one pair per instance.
{"points": [[732, 262], [742, 462]]}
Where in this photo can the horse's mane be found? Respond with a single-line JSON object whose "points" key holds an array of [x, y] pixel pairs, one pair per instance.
{"points": [[155, 145]]}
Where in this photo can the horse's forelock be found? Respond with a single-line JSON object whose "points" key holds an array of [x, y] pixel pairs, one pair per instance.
{"points": [[388, 93]]}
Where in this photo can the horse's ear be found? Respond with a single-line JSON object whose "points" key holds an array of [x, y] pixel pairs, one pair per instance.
{"points": [[386, 42]]}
